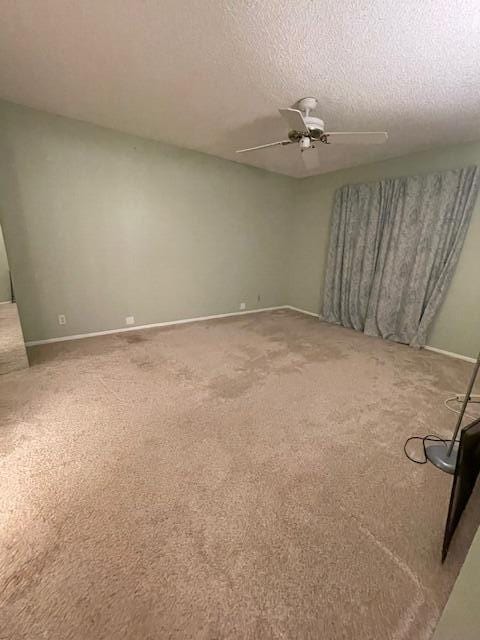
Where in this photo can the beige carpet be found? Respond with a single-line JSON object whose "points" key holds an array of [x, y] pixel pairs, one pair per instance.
{"points": [[240, 478], [12, 348]]}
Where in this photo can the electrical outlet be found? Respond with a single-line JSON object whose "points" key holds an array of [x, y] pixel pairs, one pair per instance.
{"points": [[62, 319], [129, 320], [243, 306]]}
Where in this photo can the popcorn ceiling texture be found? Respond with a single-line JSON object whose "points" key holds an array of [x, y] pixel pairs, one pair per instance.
{"points": [[211, 75]]}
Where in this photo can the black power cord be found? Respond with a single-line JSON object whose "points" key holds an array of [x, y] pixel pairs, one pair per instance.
{"points": [[430, 438]]}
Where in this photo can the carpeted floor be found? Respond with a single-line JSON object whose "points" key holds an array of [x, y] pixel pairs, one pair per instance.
{"points": [[239, 478], [12, 348]]}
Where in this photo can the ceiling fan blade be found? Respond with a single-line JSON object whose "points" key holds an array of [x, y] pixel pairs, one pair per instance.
{"points": [[264, 146], [361, 137], [310, 159], [295, 120]]}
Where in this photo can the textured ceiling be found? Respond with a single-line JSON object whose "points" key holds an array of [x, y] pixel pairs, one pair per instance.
{"points": [[211, 74]]}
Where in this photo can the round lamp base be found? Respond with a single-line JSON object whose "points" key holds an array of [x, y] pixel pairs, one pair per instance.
{"points": [[438, 456]]}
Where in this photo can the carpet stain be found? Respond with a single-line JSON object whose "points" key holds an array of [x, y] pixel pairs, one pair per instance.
{"points": [[133, 338]]}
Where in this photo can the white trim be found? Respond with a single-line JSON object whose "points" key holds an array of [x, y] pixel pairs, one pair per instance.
{"points": [[450, 354], [308, 313], [7, 302], [80, 336]]}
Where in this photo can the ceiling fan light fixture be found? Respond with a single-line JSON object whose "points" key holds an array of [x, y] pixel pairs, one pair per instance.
{"points": [[305, 143]]}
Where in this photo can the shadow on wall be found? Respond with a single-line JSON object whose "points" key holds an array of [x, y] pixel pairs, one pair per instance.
{"points": [[6, 290], [15, 234], [13, 354]]}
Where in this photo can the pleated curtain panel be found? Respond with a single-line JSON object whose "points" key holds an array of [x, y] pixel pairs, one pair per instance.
{"points": [[394, 246]]}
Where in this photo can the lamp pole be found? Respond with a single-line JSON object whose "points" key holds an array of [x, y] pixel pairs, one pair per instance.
{"points": [[445, 458], [464, 405]]}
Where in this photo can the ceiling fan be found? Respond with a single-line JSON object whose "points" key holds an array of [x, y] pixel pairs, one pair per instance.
{"points": [[306, 130]]}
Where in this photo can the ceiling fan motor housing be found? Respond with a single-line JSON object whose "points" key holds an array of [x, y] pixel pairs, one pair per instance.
{"points": [[315, 126]]}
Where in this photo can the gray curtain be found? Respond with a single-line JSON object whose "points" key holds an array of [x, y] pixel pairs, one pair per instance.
{"points": [[393, 250]]}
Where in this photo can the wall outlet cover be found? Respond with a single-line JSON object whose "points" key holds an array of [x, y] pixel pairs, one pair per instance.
{"points": [[243, 306], [129, 320], [62, 319]]}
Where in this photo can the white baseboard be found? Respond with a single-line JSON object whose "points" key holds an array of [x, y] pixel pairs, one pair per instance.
{"points": [[6, 302], [450, 354], [308, 313], [80, 336]]}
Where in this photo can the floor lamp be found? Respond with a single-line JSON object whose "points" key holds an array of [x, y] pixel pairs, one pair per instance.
{"points": [[445, 457]]}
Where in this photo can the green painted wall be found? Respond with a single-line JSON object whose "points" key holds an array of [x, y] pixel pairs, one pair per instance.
{"points": [[4, 272], [457, 327], [102, 225]]}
